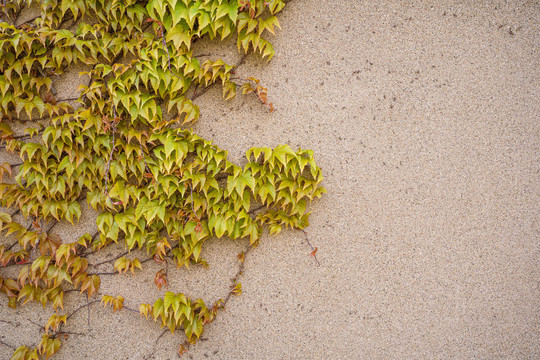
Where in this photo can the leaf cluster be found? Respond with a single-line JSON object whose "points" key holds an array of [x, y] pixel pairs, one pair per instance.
{"points": [[157, 187], [57, 264], [48, 346], [178, 311]]}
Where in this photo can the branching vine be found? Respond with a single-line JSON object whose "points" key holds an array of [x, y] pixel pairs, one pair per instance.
{"points": [[156, 185]]}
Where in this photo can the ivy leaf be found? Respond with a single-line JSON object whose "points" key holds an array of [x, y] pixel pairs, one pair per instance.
{"points": [[168, 300], [5, 168], [268, 24], [120, 264], [226, 8], [56, 295], [237, 290], [5, 130], [194, 327], [50, 244], [169, 145], [144, 309], [117, 303], [54, 322], [30, 149], [73, 212], [24, 353], [158, 309], [91, 284], [161, 279], [179, 35], [48, 346], [123, 264]]}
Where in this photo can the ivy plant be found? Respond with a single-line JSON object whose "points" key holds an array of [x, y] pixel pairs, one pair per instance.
{"points": [[123, 147]]}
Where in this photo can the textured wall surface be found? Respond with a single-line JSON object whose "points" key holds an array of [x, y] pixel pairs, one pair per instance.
{"points": [[424, 116]]}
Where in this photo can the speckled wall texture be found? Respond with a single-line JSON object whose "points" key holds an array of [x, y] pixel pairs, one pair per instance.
{"points": [[424, 116]]}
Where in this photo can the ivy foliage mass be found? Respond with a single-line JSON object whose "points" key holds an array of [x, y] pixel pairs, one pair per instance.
{"points": [[122, 146]]}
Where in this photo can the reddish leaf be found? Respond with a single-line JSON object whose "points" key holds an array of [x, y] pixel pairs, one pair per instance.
{"points": [[50, 244], [161, 278], [181, 349], [5, 168]]}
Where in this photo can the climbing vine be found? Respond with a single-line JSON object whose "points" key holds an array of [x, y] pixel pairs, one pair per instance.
{"points": [[122, 147]]}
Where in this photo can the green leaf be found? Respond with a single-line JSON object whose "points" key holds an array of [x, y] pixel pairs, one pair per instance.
{"points": [[179, 36], [168, 300], [104, 221], [159, 309], [169, 145], [73, 212], [30, 149], [193, 328]]}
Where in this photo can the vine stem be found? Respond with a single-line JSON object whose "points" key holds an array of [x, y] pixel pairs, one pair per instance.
{"points": [[160, 336], [35, 323], [110, 260], [192, 208], [88, 308], [7, 345], [13, 264], [12, 245], [103, 273], [253, 211], [164, 42], [146, 168], [82, 307], [132, 310], [311, 246], [110, 157], [87, 305], [52, 226], [15, 212], [69, 99], [237, 275], [70, 333], [234, 280]]}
